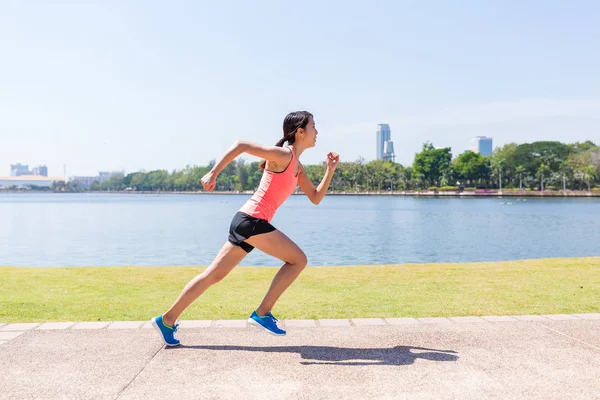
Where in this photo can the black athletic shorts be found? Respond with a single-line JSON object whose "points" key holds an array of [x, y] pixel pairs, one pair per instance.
{"points": [[243, 226]]}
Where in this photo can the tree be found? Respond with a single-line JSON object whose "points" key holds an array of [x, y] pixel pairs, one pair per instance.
{"points": [[185, 179], [578, 147], [541, 172], [590, 174], [404, 177], [565, 173], [157, 180], [254, 176], [519, 171], [432, 163], [584, 166], [497, 164], [532, 155], [242, 174], [369, 176], [315, 173], [470, 166], [595, 160], [378, 172], [115, 182], [346, 174], [139, 181], [352, 173], [390, 174], [506, 153]]}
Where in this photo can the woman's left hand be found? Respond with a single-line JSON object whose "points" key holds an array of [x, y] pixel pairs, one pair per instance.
{"points": [[209, 181], [333, 159]]}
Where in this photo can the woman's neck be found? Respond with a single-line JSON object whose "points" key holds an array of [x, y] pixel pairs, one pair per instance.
{"points": [[298, 150]]}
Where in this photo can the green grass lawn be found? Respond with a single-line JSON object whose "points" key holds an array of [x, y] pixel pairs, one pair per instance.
{"points": [[546, 286]]}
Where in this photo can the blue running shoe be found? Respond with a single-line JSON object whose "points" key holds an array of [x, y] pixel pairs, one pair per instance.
{"points": [[268, 323], [166, 332]]}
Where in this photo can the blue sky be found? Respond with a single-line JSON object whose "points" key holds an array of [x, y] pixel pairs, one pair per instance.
{"points": [[142, 85]]}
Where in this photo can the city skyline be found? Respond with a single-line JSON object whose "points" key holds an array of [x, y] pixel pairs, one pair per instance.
{"points": [[478, 144], [19, 169], [146, 96], [384, 151]]}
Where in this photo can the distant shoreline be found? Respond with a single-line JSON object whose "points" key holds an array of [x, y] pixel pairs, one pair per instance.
{"points": [[423, 193]]}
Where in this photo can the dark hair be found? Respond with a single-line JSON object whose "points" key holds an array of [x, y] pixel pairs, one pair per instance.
{"points": [[291, 123]]}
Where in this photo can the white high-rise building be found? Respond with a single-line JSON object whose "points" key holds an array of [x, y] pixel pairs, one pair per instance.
{"points": [[482, 145]]}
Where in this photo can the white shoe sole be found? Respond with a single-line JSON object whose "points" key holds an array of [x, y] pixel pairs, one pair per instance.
{"points": [[254, 323], [155, 325]]}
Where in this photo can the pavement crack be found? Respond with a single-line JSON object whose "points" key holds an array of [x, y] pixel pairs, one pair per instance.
{"points": [[138, 374], [570, 337]]}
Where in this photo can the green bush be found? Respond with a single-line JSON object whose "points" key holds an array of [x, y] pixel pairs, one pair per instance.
{"points": [[550, 188], [432, 188], [470, 189], [448, 189]]}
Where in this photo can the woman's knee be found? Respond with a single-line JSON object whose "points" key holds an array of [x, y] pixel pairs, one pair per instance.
{"points": [[226, 260], [299, 260]]}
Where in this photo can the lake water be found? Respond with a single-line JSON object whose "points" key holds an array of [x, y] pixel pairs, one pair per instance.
{"points": [[43, 230]]}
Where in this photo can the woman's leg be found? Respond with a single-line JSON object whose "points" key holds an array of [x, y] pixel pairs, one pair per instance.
{"points": [[278, 245], [229, 256]]}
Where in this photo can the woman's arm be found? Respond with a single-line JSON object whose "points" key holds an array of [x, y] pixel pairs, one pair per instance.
{"points": [[316, 194], [277, 154]]}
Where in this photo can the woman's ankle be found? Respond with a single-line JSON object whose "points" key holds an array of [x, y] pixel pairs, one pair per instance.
{"points": [[168, 321], [262, 311]]}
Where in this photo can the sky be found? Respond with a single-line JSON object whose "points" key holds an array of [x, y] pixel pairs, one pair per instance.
{"points": [[144, 85]]}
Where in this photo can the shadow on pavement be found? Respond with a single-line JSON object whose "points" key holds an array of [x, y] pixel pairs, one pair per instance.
{"points": [[398, 355]]}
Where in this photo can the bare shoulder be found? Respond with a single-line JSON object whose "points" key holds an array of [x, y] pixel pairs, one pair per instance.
{"points": [[276, 154], [283, 164]]}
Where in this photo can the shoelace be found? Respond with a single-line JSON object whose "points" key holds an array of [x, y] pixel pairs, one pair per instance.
{"points": [[175, 326], [275, 320], [272, 316]]}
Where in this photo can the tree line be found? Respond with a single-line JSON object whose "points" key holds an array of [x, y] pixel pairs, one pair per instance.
{"points": [[543, 165]]}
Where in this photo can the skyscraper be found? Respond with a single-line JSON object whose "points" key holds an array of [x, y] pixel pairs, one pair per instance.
{"points": [[482, 145], [388, 151], [18, 170], [41, 170], [385, 146]]}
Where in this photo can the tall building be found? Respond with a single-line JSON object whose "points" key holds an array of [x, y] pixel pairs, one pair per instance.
{"points": [[18, 170], [385, 146], [42, 170], [482, 145], [388, 151]]}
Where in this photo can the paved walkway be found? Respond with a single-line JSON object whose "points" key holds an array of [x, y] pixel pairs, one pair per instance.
{"points": [[518, 357]]}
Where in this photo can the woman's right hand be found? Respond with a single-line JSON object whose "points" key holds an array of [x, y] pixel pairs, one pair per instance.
{"points": [[209, 181]]}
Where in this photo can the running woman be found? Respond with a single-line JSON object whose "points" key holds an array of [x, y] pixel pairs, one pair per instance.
{"points": [[251, 226]]}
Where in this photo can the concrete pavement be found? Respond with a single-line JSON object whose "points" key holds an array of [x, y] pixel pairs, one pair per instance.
{"points": [[523, 357]]}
